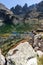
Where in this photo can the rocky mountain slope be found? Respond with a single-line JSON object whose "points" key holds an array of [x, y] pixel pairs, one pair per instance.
{"points": [[35, 8], [21, 18], [7, 19], [6, 15], [33, 11]]}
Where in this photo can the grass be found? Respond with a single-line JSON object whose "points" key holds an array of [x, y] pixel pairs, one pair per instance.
{"points": [[20, 27], [40, 60], [6, 29], [26, 27], [8, 45], [42, 37]]}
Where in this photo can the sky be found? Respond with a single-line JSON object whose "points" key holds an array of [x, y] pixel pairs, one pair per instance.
{"points": [[13, 3]]}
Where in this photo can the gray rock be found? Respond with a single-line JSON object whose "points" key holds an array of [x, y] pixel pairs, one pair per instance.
{"points": [[2, 59], [36, 39], [20, 54]]}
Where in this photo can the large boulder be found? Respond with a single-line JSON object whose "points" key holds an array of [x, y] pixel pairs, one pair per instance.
{"points": [[20, 54]]}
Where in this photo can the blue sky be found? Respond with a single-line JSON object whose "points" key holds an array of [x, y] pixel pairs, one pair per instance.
{"points": [[11, 3]]}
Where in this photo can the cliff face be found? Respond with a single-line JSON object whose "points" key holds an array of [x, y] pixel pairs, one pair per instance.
{"points": [[5, 14]]}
